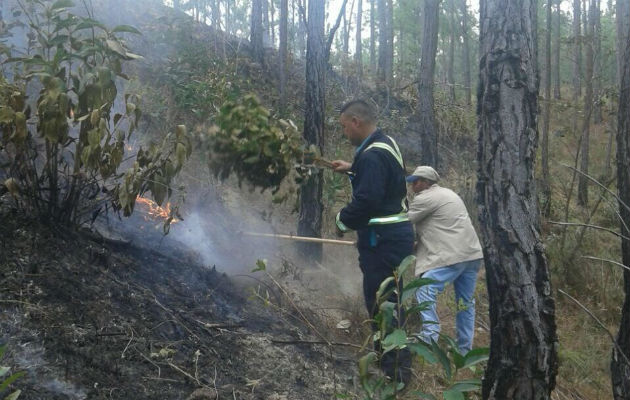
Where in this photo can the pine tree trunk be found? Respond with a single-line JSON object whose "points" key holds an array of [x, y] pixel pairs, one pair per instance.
{"points": [[451, 52], [619, 367], [622, 12], [282, 53], [597, 64], [467, 77], [556, 55], [424, 120], [389, 71], [523, 344], [577, 52], [359, 49], [256, 34], [372, 36], [311, 207], [546, 189], [381, 69], [588, 109]]}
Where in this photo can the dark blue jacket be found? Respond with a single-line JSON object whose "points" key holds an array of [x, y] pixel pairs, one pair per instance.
{"points": [[378, 186]]}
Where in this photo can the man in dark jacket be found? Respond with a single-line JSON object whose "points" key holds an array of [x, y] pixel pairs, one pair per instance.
{"points": [[377, 212]]}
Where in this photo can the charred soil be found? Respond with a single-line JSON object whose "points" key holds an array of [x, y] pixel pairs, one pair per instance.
{"points": [[90, 318]]}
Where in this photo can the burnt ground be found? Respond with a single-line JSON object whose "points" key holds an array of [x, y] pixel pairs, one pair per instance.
{"points": [[90, 318]]}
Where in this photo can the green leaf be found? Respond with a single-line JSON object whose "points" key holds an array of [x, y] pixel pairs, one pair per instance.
{"points": [[364, 364], [406, 263], [424, 351], [4, 371], [62, 4], [126, 28], [13, 395], [453, 395], [10, 380], [395, 340], [425, 305], [443, 358], [261, 265], [468, 385], [383, 288], [458, 359], [115, 46], [425, 396], [475, 356], [88, 23]]}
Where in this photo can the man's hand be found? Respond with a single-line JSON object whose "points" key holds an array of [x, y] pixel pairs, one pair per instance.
{"points": [[341, 166]]}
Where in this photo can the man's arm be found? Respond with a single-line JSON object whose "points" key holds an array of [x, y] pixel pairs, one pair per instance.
{"points": [[421, 207], [368, 193]]}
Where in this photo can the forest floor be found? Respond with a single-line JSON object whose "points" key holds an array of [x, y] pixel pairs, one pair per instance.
{"points": [[90, 318]]}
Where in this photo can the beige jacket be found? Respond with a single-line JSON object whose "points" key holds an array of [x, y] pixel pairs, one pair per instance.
{"points": [[445, 233]]}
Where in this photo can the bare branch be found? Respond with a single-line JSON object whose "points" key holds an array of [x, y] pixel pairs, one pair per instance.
{"points": [[606, 260], [619, 349], [331, 34], [591, 226]]}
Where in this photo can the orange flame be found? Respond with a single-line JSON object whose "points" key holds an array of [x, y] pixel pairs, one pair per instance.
{"points": [[154, 211]]}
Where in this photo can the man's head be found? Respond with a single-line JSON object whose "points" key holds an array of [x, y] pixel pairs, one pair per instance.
{"points": [[423, 178], [358, 120]]}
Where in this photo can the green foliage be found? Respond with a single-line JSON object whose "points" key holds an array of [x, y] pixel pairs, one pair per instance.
{"points": [[6, 378], [65, 166], [398, 338], [249, 142]]}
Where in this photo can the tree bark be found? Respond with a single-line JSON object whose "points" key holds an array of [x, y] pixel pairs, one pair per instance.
{"points": [[424, 120], [450, 75], [622, 12], [373, 35], [577, 52], [556, 54], [282, 54], [588, 109], [546, 188], [597, 64], [620, 370], [256, 34], [523, 343], [467, 78], [389, 71], [359, 49], [311, 207], [381, 69]]}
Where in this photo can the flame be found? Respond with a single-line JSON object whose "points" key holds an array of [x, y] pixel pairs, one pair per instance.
{"points": [[154, 211]]}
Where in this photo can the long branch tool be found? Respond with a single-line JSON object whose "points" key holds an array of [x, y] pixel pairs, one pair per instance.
{"points": [[311, 158], [301, 238]]}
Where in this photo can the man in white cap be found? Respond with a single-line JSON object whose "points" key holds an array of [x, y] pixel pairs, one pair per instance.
{"points": [[448, 251]]}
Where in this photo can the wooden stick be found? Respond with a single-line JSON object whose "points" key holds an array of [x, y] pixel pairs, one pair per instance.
{"points": [[301, 238]]}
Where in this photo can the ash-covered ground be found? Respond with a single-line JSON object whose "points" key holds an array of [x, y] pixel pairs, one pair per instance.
{"points": [[89, 317]]}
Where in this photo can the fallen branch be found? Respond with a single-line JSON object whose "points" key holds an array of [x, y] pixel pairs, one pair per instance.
{"points": [[316, 342]]}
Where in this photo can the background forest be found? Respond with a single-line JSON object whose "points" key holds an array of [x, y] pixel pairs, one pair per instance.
{"points": [[183, 74]]}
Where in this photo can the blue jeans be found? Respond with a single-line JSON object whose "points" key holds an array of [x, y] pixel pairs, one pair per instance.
{"points": [[464, 277]]}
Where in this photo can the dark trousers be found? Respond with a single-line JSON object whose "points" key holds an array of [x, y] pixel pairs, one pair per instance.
{"points": [[381, 250]]}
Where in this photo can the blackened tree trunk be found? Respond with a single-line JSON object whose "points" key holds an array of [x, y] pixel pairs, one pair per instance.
{"points": [[577, 52], [282, 54], [588, 109], [256, 33], [523, 344], [546, 189], [424, 120], [466, 54], [556, 54], [310, 220], [359, 49], [620, 370]]}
